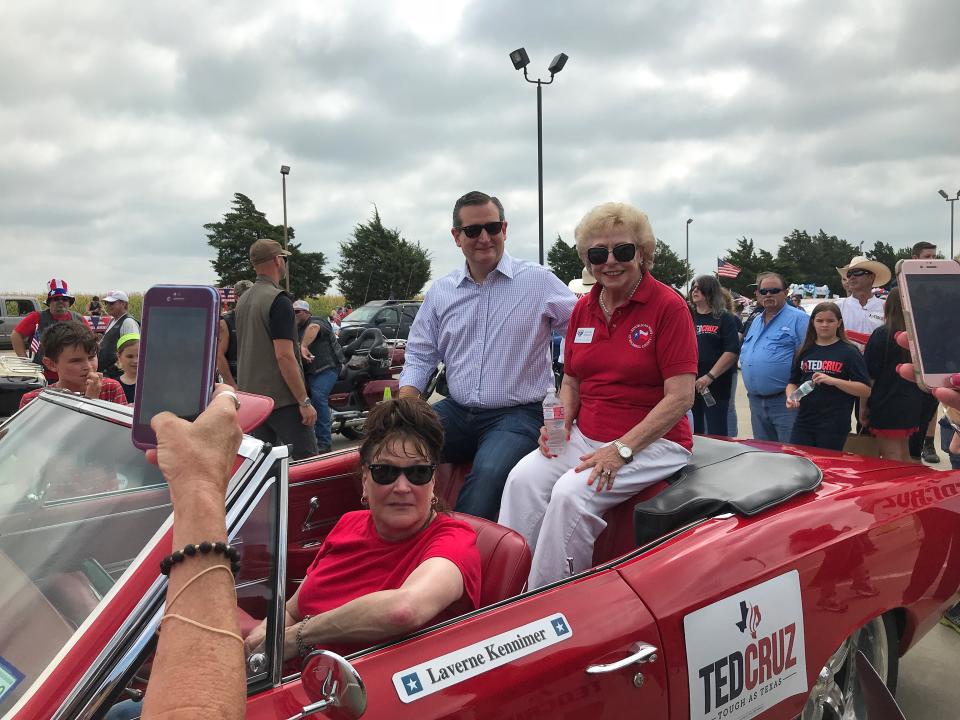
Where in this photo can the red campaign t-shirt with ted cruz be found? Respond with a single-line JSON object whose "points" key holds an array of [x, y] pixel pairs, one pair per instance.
{"points": [[622, 368], [355, 561]]}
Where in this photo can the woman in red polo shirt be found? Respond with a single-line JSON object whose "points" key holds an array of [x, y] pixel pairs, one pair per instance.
{"points": [[629, 369], [388, 570]]}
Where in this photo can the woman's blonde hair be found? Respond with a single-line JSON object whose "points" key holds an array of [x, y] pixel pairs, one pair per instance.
{"points": [[616, 217]]}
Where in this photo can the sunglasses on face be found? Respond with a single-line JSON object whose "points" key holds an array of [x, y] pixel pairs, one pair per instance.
{"points": [[624, 252], [473, 231], [770, 291], [858, 273], [384, 474]]}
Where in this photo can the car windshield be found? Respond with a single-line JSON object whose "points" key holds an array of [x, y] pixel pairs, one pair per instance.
{"points": [[77, 504], [363, 314]]}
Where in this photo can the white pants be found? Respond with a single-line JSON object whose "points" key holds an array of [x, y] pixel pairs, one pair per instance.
{"points": [[560, 515]]}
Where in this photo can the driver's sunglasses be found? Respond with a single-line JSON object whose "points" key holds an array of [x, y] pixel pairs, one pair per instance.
{"points": [[383, 474], [858, 273], [473, 231], [624, 252], [770, 291]]}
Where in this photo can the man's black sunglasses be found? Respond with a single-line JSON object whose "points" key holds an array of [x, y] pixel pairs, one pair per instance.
{"points": [[770, 291], [383, 474], [473, 231], [858, 273], [624, 252]]}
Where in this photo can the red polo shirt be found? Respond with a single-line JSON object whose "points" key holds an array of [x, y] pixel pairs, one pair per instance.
{"points": [[621, 368]]}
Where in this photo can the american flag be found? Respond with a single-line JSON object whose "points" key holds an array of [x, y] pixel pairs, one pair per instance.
{"points": [[727, 269], [227, 295]]}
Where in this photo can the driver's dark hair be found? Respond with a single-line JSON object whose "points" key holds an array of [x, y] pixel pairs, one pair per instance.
{"points": [[474, 197], [60, 336], [404, 419]]}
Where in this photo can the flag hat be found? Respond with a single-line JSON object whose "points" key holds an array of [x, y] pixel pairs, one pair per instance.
{"points": [[57, 288]]}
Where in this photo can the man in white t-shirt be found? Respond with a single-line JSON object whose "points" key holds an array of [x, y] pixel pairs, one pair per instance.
{"points": [[862, 311]]}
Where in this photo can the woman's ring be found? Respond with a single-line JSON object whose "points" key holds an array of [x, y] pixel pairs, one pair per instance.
{"points": [[231, 394]]}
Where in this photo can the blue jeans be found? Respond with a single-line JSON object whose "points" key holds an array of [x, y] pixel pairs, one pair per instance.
{"points": [[320, 385], [732, 407], [946, 435], [771, 419], [710, 420], [495, 441]]}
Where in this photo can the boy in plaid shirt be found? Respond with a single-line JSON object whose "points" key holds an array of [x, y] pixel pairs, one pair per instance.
{"points": [[71, 352]]}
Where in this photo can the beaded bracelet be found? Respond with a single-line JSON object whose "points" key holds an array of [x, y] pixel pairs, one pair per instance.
{"points": [[302, 649], [205, 548]]}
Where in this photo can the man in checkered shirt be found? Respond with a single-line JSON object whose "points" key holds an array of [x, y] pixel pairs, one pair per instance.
{"points": [[491, 322]]}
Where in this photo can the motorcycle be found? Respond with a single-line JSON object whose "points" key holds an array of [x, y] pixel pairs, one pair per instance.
{"points": [[371, 367]]}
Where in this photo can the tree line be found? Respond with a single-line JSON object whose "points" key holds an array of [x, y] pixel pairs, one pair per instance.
{"points": [[378, 263]]}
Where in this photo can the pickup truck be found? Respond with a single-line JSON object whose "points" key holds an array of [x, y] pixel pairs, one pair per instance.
{"points": [[13, 308]]}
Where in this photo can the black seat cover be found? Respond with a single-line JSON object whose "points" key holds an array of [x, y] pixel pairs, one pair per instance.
{"points": [[724, 477]]}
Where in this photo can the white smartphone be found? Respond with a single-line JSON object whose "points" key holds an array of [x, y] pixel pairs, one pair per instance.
{"points": [[930, 293]]}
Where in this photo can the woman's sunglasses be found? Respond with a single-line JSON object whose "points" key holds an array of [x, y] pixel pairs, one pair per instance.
{"points": [[623, 252], [383, 474], [473, 231]]}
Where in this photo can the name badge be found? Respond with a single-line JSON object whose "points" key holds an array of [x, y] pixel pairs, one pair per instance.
{"points": [[584, 335]]}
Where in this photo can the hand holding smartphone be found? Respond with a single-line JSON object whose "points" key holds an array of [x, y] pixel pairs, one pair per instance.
{"points": [[930, 293], [177, 356]]}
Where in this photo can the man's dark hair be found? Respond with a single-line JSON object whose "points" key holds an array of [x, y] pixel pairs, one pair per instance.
{"points": [[474, 197], [921, 246], [767, 275], [60, 336]]}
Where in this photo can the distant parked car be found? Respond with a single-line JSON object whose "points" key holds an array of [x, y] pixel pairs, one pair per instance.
{"points": [[13, 308], [391, 317]]}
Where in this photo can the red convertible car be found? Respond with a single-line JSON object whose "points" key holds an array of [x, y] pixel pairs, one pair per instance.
{"points": [[762, 581]]}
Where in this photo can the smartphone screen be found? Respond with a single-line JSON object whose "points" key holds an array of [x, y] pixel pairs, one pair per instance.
{"points": [[933, 299], [175, 347]]}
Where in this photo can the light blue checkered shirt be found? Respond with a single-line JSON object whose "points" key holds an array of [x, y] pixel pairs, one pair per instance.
{"points": [[494, 338]]}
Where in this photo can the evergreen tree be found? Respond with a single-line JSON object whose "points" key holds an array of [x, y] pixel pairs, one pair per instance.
{"points": [[240, 228], [564, 260], [805, 259], [378, 264], [884, 253], [669, 268], [751, 262]]}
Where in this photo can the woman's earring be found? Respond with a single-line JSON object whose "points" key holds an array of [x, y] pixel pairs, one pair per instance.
{"points": [[434, 500], [363, 500]]}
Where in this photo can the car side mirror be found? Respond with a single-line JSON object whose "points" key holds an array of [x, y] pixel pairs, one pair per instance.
{"points": [[333, 685]]}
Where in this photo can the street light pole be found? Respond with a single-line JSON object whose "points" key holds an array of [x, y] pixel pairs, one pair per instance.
{"points": [[284, 171], [950, 200], [689, 220], [520, 61]]}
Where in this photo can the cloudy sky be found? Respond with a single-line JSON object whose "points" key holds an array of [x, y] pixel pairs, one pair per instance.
{"points": [[124, 127]]}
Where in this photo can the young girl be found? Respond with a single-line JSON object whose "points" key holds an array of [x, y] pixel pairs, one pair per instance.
{"points": [[128, 350], [838, 371], [895, 408]]}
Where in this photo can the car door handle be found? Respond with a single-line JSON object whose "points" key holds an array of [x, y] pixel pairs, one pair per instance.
{"points": [[639, 653]]}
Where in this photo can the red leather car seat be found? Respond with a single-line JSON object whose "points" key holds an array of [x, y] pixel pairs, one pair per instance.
{"points": [[504, 559]]}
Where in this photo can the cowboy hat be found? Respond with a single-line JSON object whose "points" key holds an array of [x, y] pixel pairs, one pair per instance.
{"points": [[880, 271], [582, 285]]}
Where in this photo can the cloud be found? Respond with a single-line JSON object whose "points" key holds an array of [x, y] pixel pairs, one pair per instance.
{"points": [[122, 132]]}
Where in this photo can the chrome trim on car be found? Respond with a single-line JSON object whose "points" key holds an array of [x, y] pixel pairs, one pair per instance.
{"points": [[101, 679], [280, 575]]}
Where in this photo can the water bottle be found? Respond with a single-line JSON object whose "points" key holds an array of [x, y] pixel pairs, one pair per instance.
{"points": [[802, 391], [553, 421], [708, 399]]}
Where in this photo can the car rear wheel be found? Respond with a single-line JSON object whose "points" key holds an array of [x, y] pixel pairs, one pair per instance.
{"points": [[837, 693]]}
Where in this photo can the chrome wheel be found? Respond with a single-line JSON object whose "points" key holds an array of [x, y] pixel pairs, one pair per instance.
{"points": [[837, 694]]}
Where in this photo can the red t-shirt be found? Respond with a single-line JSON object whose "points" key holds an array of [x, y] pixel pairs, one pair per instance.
{"points": [[110, 390], [28, 326], [621, 368], [355, 561]]}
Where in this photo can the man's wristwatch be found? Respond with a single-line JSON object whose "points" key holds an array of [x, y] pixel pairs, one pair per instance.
{"points": [[305, 402], [623, 450]]}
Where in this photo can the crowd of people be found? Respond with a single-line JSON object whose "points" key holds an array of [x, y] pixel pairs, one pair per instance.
{"points": [[641, 365]]}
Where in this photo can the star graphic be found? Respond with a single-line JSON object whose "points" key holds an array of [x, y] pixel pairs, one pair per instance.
{"points": [[560, 627], [412, 682]]}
